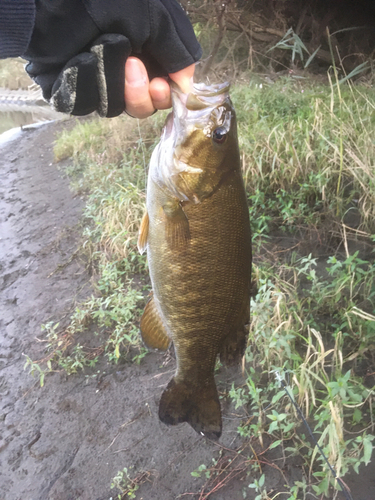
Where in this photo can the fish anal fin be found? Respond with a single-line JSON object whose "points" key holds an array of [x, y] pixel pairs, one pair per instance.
{"points": [[233, 346], [199, 406], [153, 331], [143, 233], [177, 230]]}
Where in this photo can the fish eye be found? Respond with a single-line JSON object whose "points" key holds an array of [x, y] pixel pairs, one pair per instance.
{"points": [[219, 135]]}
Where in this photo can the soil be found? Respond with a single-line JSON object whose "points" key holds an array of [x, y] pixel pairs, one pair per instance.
{"points": [[68, 439]]}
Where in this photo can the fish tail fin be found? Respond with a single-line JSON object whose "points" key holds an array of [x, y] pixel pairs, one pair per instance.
{"points": [[197, 405]]}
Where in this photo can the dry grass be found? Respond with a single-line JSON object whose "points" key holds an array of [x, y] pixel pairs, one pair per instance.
{"points": [[308, 152], [13, 75]]}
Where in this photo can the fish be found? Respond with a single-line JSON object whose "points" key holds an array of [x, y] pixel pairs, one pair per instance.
{"points": [[196, 231]]}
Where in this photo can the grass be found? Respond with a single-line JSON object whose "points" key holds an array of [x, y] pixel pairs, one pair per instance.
{"points": [[308, 163], [310, 330], [13, 75], [308, 155]]}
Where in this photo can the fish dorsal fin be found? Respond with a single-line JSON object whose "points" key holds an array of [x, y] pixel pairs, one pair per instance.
{"points": [[143, 233], [177, 231], [153, 331]]}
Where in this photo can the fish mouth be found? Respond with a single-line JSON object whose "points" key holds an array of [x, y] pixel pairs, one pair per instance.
{"points": [[192, 111], [201, 97], [201, 89]]}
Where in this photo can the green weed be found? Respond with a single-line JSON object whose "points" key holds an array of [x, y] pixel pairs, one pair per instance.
{"points": [[258, 486], [114, 181], [295, 316], [126, 485]]}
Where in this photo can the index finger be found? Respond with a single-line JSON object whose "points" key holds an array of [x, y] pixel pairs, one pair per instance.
{"points": [[183, 78]]}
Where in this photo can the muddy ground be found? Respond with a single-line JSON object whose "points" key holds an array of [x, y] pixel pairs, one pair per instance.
{"points": [[68, 439]]}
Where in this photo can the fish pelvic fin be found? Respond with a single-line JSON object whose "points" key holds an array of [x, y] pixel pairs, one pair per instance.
{"points": [[199, 406], [143, 233], [153, 331], [177, 229]]}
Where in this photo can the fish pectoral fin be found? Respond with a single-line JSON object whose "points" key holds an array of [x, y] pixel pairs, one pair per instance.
{"points": [[177, 229], [153, 331], [197, 405], [143, 233]]}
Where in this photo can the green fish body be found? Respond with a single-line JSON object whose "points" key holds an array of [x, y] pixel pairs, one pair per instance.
{"points": [[197, 234]]}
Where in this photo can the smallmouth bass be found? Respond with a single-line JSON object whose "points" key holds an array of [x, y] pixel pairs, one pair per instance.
{"points": [[197, 234]]}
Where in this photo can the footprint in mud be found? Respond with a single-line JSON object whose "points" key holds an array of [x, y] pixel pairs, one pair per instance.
{"points": [[4, 389], [40, 448]]}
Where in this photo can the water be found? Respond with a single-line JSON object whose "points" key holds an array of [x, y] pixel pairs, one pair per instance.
{"points": [[34, 114]]}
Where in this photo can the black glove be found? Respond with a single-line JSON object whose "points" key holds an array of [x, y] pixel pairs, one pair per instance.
{"points": [[79, 48]]}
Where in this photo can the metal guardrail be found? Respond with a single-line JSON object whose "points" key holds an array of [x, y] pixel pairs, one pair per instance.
{"points": [[20, 100]]}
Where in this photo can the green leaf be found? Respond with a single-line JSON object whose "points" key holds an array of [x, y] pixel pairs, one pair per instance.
{"points": [[356, 71], [117, 351], [277, 396], [357, 415], [275, 444], [367, 450], [273, 427], [312, 57]]}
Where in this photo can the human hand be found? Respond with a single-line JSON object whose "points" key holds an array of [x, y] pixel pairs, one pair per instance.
{"points": [[142, 96], [78, 52]]}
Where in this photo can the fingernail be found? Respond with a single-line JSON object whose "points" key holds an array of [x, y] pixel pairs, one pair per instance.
{"points": [[134, 73]]}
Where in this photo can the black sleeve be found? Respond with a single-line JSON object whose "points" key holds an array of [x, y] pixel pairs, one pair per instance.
{"points": [[16, 26]]}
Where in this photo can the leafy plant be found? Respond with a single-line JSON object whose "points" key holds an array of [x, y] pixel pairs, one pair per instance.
{"points": [[288, 313], [258, 486], [291, 41], [125, 484]]}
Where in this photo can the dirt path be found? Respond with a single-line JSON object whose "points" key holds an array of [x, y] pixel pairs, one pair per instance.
{"points": [[67, 440]]}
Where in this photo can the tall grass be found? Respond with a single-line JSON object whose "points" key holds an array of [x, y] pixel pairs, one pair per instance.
{"points": [[110, 164], [312, 331], [308, 153]]}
